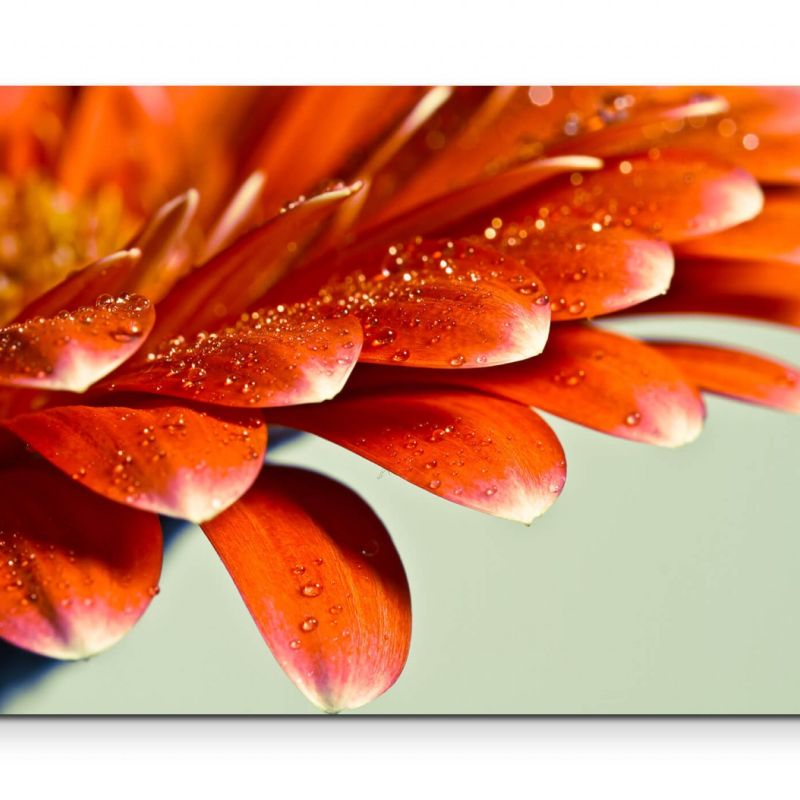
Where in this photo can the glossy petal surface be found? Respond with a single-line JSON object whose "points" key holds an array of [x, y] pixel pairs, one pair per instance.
{"points": [[73, 350], [586, 271], [165, 458], [675, 196], [323, 581], [478, 451], [77, 571], [439, 304], [267, 359], [743, 376]]}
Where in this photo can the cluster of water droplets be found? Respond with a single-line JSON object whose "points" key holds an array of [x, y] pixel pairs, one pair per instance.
{"points": [[158, 444], [263, 356], [324, 614], [33, 348], [423, 297]]}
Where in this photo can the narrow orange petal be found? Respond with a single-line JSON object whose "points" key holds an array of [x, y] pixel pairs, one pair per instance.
{"points": [[73, 350], [274, 358], [318, 128], [478, 451], [77, 571], [744, 376], [170, 459], [324, 583], [161, 242], [675, 195], [125, 136]]}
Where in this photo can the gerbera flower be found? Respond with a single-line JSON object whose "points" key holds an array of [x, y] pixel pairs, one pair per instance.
{"points": [[477, 232]]}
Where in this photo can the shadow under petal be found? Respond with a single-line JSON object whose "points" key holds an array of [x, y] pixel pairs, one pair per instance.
{"points": [[20, 669]]}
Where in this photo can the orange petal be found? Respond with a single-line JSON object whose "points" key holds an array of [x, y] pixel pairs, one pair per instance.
{"points": [[165, 458], [517, 124], [439, 304], [77, 571], [161, 242], [772, 236], [233, 280], [121, 135], [234, 217], [761, 290], [324, 583], [71, 351], [586, 271], [675, 195], [318, 128], [108, 275], [744, 376], [603, 380], [436, 214], [478, 451], [269, 359], [760, 133]]}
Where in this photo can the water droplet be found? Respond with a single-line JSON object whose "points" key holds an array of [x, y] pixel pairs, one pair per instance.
{"points": [[309, 624], [337, 609], [311, 590], [295, 644], [435, 484], [457, 360], [633, 418], [299, 569], [370, 548]]}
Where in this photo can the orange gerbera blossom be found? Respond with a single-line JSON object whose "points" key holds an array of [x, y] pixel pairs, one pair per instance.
{"points": [[475, 235]]}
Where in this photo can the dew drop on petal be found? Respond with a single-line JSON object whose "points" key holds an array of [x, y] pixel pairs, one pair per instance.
{"points": [[309, 624], [311, 590]]}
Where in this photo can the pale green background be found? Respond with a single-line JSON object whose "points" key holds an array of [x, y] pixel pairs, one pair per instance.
{"points": [[661, 582]]}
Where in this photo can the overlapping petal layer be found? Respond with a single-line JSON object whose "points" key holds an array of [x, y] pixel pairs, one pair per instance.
{"points": [[585, 268], [76, 571], [323, 581], [444, 304], [234, 279], [478, 451], [449, 207], [772, 236], [174, 460], [73, 350], [600, 379], [760, 290], [283, 357], [741, 375], [516, 124]]}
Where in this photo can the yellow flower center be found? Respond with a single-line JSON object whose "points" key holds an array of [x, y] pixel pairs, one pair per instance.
{"points": [[45, 234]]}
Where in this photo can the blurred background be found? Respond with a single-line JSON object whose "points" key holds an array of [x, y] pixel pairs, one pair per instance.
{"points": [[662, 582]]}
